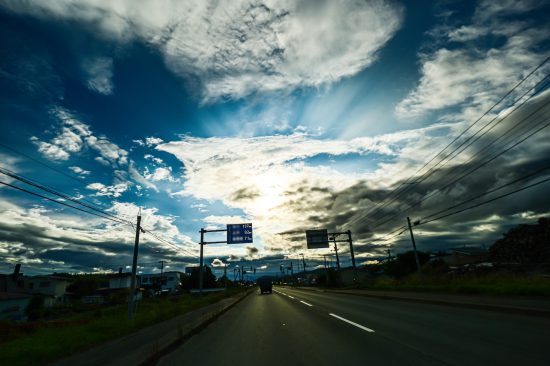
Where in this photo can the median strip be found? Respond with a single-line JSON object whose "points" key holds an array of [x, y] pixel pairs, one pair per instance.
{"points": [[305, 303], [352, 323]]}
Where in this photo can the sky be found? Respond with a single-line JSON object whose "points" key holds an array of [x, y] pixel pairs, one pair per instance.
{"points": [[290, 115]]}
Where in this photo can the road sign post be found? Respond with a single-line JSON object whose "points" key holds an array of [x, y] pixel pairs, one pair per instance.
{"points": [[236, 234], [239, 233]]}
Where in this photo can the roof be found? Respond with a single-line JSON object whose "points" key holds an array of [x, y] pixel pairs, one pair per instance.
{"points": [[470, 250], [55, 278], [13, 296], [119, 275]]}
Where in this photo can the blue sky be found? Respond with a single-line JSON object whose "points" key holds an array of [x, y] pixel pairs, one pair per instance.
{"points": [[289, 115]]}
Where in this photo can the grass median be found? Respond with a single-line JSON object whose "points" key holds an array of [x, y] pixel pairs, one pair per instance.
{"points": [[51, 340], [493, 284]]}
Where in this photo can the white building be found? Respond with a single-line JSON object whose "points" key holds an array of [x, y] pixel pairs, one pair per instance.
{"points": [[168, 281], [121, 280], [52, 288]]}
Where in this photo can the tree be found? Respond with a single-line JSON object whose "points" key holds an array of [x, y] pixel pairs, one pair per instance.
{"points": [[405, 264], [209, 280], [525, 244], [83, 285]]}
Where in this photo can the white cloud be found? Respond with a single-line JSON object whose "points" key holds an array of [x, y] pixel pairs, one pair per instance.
{"points": [[159, 174], [237, 48], [68, 233], [79, 170], [472, 74], [268, 178], [50, 151], [99, 74], [115, 190], [153, 159], [217, 263], [73, 135], [151, 141]]}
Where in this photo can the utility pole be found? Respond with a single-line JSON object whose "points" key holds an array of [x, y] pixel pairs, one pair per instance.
{"points": [[225, 276], [414, 246], [336, 250], [131, 297], [303, 263], [326, 269], [161, 273], [352, 256], [201, 262]]}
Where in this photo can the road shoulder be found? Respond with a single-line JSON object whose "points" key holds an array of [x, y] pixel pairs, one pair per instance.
{"points": [[532, 306]]}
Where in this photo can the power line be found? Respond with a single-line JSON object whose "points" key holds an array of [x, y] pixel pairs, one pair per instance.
{"points": [[168, 243], [473, 198], [471, 171], [61, 203], [450, 156], [485, 202], [59, 194], [457, 137]]}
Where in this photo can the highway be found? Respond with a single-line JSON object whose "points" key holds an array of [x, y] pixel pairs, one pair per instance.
{"points": [[302, 327]]}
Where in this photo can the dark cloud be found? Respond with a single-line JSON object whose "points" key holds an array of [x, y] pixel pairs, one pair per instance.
{"points": [[251, 251], [364, 211], [245, 194], [35, 246]]}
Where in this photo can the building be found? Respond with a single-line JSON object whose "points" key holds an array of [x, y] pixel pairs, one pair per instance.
{"points": [[52, 288], [13, 305], [165, 282], [466, 255], [121, 280]]}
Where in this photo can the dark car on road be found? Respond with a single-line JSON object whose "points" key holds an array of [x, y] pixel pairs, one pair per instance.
{"points": [[265, 285]]}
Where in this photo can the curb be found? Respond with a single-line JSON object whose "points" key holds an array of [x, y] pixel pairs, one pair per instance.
{"points": [[195, 329], [468, 305]]}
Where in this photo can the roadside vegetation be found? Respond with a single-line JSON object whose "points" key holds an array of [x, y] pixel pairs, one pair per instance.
{"points": [[516, 264], [494, 284], [36, 343]]}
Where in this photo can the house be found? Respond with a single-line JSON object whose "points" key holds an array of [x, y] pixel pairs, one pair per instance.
{"points": [[121, 280], [165, 282], [52, 288], [13, 305]]}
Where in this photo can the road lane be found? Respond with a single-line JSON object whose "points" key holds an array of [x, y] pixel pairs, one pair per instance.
{"points": [[279, 330], [457, 335]]}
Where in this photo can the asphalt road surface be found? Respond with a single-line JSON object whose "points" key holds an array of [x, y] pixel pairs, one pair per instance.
{"points": [[301, 327]]}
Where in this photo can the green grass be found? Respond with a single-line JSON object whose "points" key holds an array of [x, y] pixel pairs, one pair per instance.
{"points": [[494, 284], [83, 331]]}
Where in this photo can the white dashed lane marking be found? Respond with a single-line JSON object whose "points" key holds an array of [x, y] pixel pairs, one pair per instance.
{"points": [[352, 323]]}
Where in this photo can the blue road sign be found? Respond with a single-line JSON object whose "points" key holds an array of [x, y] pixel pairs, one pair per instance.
{"points": [[239, 233]]}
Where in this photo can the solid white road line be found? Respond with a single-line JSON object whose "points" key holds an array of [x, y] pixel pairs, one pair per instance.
{"points": [[352, 323], [303, 302]]}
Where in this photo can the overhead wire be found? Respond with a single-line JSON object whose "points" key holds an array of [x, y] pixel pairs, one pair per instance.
{"points": [[408, 184], [533, 130]]}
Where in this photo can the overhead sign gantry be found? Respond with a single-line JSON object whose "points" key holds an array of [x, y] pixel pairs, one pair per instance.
{"points": [[236, 234]]}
